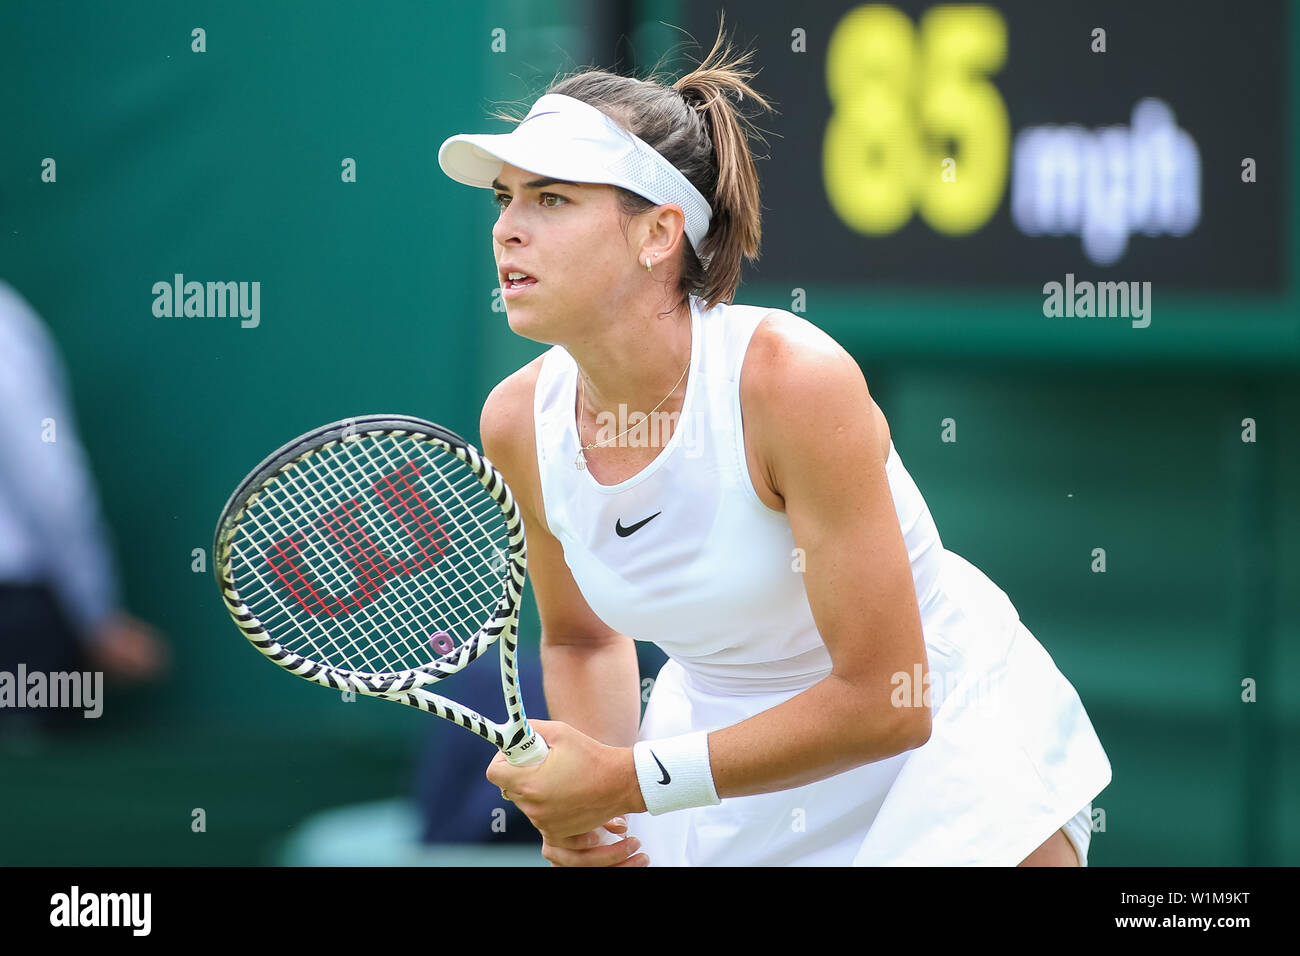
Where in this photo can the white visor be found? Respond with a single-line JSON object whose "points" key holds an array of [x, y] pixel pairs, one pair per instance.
{"points": [[565, 138]]}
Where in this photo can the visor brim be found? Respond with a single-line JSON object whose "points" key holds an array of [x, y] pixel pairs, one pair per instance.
{"points": [[476, 159]]}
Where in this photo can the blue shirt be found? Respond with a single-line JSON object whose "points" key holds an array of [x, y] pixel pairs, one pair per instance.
{"points": [[51, 530]]}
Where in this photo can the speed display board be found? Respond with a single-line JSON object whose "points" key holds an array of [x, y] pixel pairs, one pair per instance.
{"points": [[1005, 144]]}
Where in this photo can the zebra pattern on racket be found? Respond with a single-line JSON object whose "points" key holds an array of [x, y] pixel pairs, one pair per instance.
{"points": [[381, 555]]}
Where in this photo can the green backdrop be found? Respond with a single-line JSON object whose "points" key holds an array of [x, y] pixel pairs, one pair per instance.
{"points": [[226, 165]]}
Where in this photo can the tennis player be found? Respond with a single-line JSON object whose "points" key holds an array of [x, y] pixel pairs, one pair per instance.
{"points": [[841, 689]]}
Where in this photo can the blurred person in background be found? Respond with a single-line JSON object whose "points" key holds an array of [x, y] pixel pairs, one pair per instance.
{"points": [[60, 608]]}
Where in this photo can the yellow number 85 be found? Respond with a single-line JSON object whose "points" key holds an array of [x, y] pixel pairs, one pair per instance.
{"points": [[899, 99]]}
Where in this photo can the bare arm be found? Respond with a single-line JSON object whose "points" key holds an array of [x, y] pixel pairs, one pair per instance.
{"points": [[589, 687], [811, 413], [589, 670]]}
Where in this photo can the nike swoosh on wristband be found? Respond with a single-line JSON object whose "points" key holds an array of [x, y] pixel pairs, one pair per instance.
{"points": [[665, 781], [623, 532]]}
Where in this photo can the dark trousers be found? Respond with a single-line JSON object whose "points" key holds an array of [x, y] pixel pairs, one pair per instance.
{"points": [[34, 632]]}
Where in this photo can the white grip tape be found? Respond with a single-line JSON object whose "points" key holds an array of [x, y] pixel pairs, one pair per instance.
{"points": [[674, 773], [532, 756]]}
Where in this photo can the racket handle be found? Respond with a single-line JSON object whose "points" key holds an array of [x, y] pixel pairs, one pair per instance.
{"points": [[529, 756], [535, 755]]}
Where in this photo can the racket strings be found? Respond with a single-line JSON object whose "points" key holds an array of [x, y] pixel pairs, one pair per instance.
{"points": [[450, 490], [407, 543], [410, 501], [375, 646]]}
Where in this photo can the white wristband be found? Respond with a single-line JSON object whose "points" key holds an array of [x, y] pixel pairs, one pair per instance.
{"points": [[674, 773]]}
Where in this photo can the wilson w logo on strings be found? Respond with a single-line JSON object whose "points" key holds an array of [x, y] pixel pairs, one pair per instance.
{"points": [[398, 505]]}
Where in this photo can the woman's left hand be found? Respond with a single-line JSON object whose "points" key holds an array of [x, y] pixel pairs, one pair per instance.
{"points": [[581, 785]]}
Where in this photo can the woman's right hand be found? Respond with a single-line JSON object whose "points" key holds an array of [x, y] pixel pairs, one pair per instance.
{"points": [[590, 849]]}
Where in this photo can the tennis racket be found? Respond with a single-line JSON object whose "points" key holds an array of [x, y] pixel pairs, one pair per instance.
{"points": [[380, 555]]}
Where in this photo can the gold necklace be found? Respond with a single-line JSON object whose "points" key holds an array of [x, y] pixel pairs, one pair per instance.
{"points": [[581, 461]]}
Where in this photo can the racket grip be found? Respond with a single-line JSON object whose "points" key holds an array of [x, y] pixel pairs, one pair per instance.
{"points": [[529, 756], [536, 754]]}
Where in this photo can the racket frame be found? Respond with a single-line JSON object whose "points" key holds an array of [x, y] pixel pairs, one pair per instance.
{"points": [[516, 738]]}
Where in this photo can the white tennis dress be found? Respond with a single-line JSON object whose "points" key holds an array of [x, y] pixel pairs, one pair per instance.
{"points": [[709, 576]]}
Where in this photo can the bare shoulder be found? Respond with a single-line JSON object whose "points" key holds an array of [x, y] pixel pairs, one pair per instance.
{"points": [[786, 348], [801, 392], [506, 432], [509, 406], [793, 368]]}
